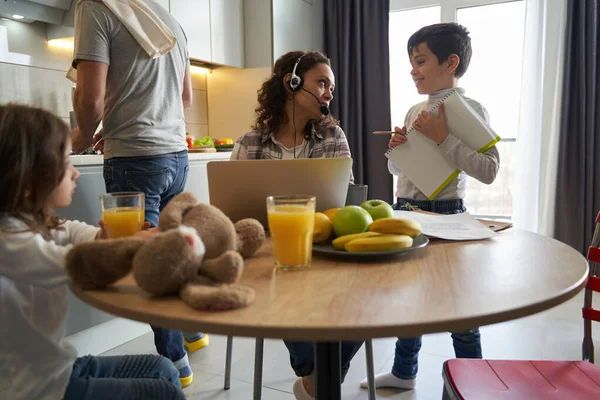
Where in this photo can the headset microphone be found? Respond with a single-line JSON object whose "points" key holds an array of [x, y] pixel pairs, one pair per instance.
{"points": [[324, 108]]}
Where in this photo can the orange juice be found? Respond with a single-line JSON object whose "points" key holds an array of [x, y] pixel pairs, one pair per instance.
{"points": [[291, 228], [123, 221]]}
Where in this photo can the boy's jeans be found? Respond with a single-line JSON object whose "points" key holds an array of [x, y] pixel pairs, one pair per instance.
{"points": [[143, 377], [467, 344], [302, 356], [161, 178]]}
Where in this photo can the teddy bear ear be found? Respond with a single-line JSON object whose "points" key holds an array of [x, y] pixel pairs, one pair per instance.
{"points": [[172, 215]]}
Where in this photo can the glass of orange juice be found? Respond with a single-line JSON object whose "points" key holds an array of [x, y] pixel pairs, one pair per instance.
{"points": [[122, 213], [291, 225]]}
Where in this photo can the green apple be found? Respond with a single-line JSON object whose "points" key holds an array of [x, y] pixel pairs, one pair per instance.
{"points": [[351, 219], [378, 209]]}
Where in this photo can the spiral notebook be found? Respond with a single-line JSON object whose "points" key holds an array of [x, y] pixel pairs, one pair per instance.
{"points": [[421, 159]]}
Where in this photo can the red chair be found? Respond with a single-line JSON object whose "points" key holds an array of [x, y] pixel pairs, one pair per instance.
{"points": [[468, 379]]}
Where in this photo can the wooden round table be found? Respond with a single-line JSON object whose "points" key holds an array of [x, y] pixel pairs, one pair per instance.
{"points": [[446, 286]]}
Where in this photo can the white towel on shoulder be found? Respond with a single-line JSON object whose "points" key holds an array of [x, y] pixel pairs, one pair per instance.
{"points": [[144, 25]]}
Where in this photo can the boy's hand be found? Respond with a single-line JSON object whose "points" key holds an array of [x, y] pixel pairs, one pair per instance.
{"points": [[435, 128], [399, 137]]}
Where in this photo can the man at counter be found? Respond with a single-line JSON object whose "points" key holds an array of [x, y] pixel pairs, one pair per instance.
{"points": [[140, 101]]}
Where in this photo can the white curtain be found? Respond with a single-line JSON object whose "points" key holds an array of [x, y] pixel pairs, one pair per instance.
{"points": [[539, 120]]}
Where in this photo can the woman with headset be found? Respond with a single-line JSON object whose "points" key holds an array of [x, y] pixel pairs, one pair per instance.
{"points": [[293, 121]]}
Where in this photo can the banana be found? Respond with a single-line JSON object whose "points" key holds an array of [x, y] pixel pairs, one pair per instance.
{"points": [[399, 226], [379, 243], [338, 243]]}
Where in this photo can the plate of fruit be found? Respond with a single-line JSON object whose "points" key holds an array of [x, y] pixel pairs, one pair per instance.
{"points": [[225, 144], [368, 232]]}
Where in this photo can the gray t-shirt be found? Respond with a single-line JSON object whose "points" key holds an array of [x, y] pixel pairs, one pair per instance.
{"points": [[143, 107]]}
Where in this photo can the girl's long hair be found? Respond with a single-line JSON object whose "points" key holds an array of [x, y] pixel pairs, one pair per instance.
{"points": [[273, 94], [32, 160]]}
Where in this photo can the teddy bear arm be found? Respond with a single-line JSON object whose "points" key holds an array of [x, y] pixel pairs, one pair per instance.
{"points": [[100, 263], [227, 268]]}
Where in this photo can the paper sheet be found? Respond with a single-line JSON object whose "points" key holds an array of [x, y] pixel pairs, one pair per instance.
{"points": [[451, 227]]}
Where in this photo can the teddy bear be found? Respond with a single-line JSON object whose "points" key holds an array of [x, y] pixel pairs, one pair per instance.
{"points": [[198, 253]]}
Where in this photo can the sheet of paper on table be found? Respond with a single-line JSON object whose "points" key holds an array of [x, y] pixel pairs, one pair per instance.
{"points": [[450, 227]]}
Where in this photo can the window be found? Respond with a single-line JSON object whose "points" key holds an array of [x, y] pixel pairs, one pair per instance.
{"points": [[494, 78]]}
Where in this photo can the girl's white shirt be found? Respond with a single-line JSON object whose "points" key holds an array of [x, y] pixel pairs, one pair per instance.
{"points": [[35, 359]]}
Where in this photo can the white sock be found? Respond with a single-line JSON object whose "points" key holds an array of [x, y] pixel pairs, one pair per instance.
{"points": [[389, 380], [300, 392]]}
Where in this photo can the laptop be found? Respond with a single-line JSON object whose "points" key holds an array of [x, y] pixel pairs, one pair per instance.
{"points": [[240, 188]]}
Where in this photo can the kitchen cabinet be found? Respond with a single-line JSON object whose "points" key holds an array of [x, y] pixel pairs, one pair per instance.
{"points": [[194, 18], [275, 27], [227, 32], [292, 26], [214, 29]]}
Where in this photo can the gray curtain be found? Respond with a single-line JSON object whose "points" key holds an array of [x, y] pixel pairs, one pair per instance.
{"points": [[356, 40], [578, 180]]}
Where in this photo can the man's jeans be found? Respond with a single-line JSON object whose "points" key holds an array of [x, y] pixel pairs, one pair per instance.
{"points": [[302, 356], [139, 377], [160, 178]]}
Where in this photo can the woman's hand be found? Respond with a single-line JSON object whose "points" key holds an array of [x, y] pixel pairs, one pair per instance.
{"points": [[399, 137]]}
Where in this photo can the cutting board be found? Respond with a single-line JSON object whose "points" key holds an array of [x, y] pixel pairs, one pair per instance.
{"points": [[201, 150]]}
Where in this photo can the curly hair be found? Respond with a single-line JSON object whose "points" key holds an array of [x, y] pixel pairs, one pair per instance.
{"points": [[272, 95], [32, 159]]}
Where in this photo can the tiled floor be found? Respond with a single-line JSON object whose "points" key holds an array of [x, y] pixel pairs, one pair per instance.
{"points": [[554, 334]]}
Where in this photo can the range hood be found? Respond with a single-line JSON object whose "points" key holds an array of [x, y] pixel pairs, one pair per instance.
{"points": [[57, 12]]}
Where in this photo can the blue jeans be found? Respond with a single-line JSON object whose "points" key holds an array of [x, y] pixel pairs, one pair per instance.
{"points": [[466, 344], [302, 356], [161, 178], [143, 377]]}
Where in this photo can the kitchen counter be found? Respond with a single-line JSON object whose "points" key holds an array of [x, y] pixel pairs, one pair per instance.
{"points": [[92, 159]]}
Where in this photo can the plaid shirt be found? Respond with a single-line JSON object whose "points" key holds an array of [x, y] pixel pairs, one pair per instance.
{"points": [[324, 143]]}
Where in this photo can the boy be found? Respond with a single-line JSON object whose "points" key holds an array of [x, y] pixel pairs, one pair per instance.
{"points": [[439, 55]]}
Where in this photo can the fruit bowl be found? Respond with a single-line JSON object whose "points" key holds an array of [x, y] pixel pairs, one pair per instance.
{"points": [[326, 249]]}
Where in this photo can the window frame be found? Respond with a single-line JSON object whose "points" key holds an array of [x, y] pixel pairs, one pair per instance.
{"points": [[448, 8]]}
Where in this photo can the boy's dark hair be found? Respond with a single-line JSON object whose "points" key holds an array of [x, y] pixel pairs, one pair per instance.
{"points": [[270, 113], [443, 40], [32, 160]]}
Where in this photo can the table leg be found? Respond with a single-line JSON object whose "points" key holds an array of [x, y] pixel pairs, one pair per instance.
{"points": [[328, 365]]}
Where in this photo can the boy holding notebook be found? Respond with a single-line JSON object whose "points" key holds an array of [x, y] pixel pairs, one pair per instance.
{"points": [[439, 55]]}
